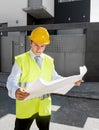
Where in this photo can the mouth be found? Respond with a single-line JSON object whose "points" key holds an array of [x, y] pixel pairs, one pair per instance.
{"points": [[38, 53]]}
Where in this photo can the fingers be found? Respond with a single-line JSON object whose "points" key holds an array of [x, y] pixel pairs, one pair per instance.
{"points": [[79, 82], [21, 95]]}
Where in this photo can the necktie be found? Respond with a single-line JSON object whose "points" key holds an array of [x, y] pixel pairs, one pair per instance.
{"points": [[38, 60]]}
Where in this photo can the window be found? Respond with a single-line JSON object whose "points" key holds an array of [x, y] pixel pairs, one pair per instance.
{"points": [[3, 25]]}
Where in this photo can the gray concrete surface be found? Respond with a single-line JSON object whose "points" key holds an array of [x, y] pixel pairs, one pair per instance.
{"points": [[77, 110]]}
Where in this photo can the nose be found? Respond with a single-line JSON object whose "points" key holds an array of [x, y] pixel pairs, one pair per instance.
{"points": [[38, 48]]}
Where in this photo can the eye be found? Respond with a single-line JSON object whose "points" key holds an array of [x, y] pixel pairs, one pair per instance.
{"points": [[42, 46]]}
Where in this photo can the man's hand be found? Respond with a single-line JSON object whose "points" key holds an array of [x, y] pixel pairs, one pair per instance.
{"points": [[21, 94], [78, 82]]}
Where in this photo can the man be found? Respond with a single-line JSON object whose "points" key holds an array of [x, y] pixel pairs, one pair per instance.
{"points": [[27, 69]]}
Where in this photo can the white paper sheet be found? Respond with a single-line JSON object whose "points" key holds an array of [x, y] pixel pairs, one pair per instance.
{"points": [[61, 86]]}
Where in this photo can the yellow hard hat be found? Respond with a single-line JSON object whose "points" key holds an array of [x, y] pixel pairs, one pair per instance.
{"points": [[40, 35]]}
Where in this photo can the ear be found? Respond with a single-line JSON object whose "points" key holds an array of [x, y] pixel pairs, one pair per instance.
{"points": [[30, 42]]}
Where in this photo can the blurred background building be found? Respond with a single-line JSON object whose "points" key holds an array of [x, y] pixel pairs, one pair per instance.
{"points": [[75, 45]]}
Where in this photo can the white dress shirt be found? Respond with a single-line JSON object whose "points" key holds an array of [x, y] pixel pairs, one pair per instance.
{"points": [[13, 79]]}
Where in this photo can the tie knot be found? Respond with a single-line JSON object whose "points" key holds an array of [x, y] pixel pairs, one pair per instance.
{"points": [[37, 57]]}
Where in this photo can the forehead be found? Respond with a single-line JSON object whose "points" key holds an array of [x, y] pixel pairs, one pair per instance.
{"points": [[38, 44]]}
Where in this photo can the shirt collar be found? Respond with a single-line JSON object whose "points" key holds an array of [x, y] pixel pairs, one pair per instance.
{"points": [[32, 55]]}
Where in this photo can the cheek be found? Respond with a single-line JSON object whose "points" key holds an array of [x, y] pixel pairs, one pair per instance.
{"points": [[43, 49], [33, 48]]}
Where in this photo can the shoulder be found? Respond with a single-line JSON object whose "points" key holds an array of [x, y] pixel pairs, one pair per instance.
{"points": [[22, 55], [47, 56], [22, 59]]}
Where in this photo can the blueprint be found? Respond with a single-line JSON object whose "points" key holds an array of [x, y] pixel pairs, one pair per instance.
{"points": [[61, 86]]}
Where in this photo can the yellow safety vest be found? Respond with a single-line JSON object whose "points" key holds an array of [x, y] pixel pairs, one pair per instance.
{"points": [[30, 72]]}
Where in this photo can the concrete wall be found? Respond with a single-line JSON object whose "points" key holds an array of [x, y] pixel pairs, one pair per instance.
{"points": [[7, 53], [68, 52], [49, 4], [35, 3], [10, 47]]}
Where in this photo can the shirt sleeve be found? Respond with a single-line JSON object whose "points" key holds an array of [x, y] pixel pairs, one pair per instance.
{"points": [[12, 81], [55, 75]]}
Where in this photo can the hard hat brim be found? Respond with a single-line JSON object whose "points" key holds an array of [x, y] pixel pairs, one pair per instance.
{"points": [[46, 43]]}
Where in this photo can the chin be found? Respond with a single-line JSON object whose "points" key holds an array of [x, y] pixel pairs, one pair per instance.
{"points": [[38, 54]]}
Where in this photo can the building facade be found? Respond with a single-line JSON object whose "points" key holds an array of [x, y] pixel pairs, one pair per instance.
{"points": [[70, 46]]}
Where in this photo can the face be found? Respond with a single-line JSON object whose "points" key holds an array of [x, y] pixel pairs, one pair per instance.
{"points": [[37, 48]]}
